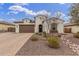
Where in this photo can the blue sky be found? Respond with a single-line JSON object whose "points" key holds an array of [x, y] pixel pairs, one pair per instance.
{"points": [[17, 11]]}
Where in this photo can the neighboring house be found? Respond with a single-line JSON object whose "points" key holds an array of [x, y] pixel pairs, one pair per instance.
{"points": [[42, 24], [71, 28], [5, 26]]}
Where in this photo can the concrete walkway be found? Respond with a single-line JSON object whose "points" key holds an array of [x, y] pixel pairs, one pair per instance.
{"points": [[10, 43]]}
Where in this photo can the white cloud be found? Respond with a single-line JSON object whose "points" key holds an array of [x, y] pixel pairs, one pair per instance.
{"points": [[65, 17], [12, 12], [43, 12], [11, 19], [8, 20], [27, 11], [1, 19], [61, 3], [21, 9], [62, 16], [16, 8]]}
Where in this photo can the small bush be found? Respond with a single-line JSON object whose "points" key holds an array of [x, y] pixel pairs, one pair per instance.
{"points": [[39, 33], [53, 42], [76, 35], [36, 33], [34, 38], [59, 35]]}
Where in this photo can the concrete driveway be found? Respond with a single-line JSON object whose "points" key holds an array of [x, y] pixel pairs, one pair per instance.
{"points": [[10, 43]]}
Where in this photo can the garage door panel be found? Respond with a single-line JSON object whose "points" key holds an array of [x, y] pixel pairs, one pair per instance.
{"points": [[67, 30], [26, 28]]}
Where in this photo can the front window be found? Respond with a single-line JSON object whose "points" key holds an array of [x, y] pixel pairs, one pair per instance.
{"points": [[54, 27]]}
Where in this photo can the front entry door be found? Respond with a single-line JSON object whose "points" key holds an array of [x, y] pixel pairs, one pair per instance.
{"points": [[40, 28]]}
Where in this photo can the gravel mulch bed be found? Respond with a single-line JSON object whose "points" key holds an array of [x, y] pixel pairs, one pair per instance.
{"points": [[40, 48], [72, 38], [72, 42]]}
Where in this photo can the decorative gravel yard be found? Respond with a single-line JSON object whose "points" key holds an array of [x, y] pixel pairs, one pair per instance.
{"points": [[72, 42], [40, 47]]}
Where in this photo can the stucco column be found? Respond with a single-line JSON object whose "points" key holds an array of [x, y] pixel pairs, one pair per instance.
{"points": [[36, 28], [17, 28], [60, 28]]}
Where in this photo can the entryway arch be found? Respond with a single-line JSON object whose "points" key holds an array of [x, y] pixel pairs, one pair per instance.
{"points": [[40, 28]]}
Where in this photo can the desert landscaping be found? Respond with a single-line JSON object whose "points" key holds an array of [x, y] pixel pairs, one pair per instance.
{"points": [[40, 46]]}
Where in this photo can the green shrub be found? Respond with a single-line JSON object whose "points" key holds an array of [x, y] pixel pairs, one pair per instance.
{"points": [[39, 33], [36, 33], [34, 38], [53, 42], [76, 35]]}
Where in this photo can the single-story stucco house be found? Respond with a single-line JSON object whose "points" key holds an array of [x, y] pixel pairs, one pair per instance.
{"points": [[71, 28], [41, 23], [6, 26]]}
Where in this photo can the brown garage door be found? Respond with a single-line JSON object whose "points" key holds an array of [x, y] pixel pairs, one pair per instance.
{"points": [[26, 28], [67, 30]]}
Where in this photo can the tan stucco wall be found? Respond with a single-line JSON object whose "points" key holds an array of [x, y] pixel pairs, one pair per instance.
{"points": [[60, 28], [74, 29], [46, 27], [4, 27]]}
